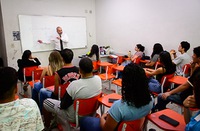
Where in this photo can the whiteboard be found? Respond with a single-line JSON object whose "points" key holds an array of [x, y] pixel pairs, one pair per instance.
{"points": [[34, 28]]}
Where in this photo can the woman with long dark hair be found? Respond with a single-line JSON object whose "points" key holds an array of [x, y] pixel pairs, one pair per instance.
{"points": [[157, 49], [94, 52], [136, 102], [167, 67]]}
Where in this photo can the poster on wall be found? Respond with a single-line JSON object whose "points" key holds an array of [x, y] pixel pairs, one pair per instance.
{"points": [[16, 35]]}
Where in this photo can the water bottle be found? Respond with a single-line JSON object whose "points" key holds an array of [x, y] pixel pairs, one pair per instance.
{"points": [[129, 54]]}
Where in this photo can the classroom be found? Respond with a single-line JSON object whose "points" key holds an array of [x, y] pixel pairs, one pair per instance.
{"points": [[118, 24]]}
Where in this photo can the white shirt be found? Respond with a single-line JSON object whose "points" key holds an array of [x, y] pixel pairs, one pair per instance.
{"points": [[180, 61], [56, 41], [21, 114], [83, 88]]}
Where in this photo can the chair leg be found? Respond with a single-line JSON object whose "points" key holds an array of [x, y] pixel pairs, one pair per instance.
{"points": [[102, 109], [116, 89], [109, 84]]}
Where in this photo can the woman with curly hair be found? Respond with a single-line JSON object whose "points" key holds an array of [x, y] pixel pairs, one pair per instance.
{"points": [[55, 63], [136, 102]]}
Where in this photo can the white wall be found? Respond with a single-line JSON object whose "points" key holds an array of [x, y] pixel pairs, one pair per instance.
{"points": [[124, 23], [119, 23], [12, 8]]}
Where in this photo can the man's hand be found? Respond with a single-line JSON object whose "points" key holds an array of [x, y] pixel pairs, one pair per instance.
{"points": [[190, 101], [165, 95], [58, 37]]}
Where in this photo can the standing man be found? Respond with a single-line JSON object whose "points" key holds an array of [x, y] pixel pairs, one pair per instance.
{"points": [[182, 59], [59, 40]]}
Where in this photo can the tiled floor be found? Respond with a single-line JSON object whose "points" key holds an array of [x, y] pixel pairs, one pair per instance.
{"points": [[105, 90]]}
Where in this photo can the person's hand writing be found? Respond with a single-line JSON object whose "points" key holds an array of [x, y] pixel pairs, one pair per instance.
{"points": [[190, 101], [165, 95]]}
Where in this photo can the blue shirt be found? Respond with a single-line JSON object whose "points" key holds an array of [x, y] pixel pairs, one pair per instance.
{"points": [[193, 125], [120, 111]]}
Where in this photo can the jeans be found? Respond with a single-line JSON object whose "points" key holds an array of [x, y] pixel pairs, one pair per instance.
{"points": [[173, 98], [35, 91], [44, 94], [90, 124]]}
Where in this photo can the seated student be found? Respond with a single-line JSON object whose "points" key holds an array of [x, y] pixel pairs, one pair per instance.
{"points": [[55, 64], [86, 87], [16, 114], [94, 53], [167, 68], [136, 102], [179, 94], [194, 102], [195, 59], [138, 54], [183, 58], [157, 48], [26, 61], [66, 74]]}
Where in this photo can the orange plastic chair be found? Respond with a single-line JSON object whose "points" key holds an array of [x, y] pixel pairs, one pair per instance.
{"points": [[137, 60], [62, 89], [158, 64], [85, 107], [135, 125], [186, 70], [48, 82], [95, 67], [118, 83], [36, 74], [164, 83], [27, 72], [109, 74], [154, 118]]}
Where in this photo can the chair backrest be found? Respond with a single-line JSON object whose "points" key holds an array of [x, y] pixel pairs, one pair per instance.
{"points": [[62, 89], [164, 81], [120, 59], [157, 64], [36, 74], [27, 71], [137, 60], [86, 107], [48, 81], [186, 70], [95, 65], [135, 125]]}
